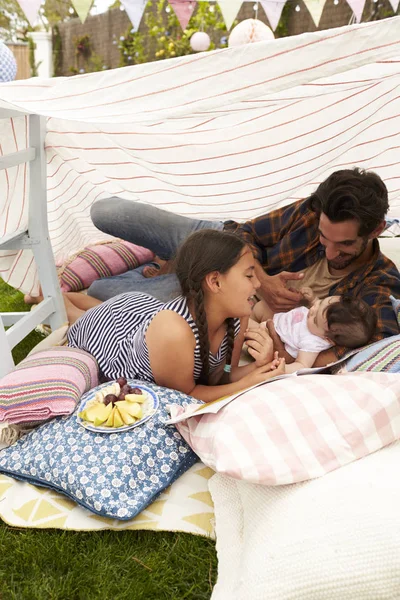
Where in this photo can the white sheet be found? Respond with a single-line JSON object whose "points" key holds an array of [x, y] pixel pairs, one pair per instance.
{"points": [[225, 134]]}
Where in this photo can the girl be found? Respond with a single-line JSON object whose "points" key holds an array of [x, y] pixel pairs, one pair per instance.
{"points": [[192, 343]]}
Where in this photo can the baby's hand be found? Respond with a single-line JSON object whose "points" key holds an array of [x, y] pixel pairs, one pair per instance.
{"points": [[308, 294], [278, 364]]}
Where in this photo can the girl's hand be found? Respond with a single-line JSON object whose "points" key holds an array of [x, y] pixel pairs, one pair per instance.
{"points": [[261, 374], [278, 365], [259, 344]]}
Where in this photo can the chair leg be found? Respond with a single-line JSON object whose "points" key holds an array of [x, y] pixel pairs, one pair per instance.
{"points": [[49, 281], [38, 227], [6, 359]]}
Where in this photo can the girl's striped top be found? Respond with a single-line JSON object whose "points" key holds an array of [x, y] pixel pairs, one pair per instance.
{"points": [[114, 332]]}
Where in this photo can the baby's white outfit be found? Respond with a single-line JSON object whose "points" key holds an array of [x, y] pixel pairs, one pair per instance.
{"points": [[293, 330]]}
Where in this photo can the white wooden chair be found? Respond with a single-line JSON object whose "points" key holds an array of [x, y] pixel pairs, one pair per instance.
{"points": [[36, 237]]}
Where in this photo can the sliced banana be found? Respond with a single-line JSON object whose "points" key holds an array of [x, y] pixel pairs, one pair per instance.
{"points": [[98, 397], [114, 388]]}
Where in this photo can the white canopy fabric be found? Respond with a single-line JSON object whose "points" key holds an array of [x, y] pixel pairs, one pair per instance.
{"points": [[226, 134]]}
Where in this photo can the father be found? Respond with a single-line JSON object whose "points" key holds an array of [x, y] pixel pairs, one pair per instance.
{"points": [[327, 242]]}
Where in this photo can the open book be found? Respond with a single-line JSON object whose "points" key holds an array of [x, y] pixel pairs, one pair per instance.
{"points": [[216, 405]]}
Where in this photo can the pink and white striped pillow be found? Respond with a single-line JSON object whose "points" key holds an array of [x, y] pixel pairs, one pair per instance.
{"points": [[101, 260], [297, 428], [46, 384]]}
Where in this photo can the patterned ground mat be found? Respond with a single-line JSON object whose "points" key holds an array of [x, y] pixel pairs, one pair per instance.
{"points": [[185, 506]]}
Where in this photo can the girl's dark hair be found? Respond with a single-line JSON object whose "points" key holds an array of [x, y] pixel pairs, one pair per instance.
{"points": [[351, 322], [202, 253], [352, 194]]}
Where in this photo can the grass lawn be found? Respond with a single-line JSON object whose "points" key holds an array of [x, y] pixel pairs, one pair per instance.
{"points": [[101, 565]]}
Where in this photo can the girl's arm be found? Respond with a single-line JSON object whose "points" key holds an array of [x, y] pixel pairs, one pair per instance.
{"points": [[237, 372], [171, 345], [304, 360]]}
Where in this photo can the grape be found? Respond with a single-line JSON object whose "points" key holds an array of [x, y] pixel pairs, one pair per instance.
{"points": [[125, 389], [110, 398], [136, 390], [121, 381]]}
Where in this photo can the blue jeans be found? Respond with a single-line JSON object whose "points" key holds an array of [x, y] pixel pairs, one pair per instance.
{"points": [[148, 226]]}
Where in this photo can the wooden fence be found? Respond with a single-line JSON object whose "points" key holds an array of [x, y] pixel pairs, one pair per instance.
{"points": [[21, 54]]}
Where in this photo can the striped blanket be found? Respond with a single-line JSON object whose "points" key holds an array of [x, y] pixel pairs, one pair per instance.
{"points": [[225, 134]]}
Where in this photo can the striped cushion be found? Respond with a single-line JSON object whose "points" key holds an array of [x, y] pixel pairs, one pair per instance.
{"points": [[383, 355], [297, 428], [101, 260], [46, 384]]}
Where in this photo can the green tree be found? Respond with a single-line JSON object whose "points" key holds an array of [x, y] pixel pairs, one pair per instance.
{"points": [[13, 23], [58, 10], [14, 26], [161, 35]]}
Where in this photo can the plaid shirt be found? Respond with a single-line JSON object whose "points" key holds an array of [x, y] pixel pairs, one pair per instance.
{"points": [[287, 239]]}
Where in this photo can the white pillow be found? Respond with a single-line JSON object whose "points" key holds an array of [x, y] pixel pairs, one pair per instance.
{"points": [[334, 538], [390, 247]]}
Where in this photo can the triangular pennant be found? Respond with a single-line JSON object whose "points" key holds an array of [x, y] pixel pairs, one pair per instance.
{"points": [[394, 4], [273, 10], [134, 10], [357, 6], [315, 8], [229, 10], [82, 7], [183, 10], [31, 9]]}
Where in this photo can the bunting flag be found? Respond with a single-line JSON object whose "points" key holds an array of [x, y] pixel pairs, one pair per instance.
{"points": [[273, 10], [183, 10], [357, 6], [394, 4], [82, 7], [31, 9], [315, 8], [134, 9], [229, 10]]}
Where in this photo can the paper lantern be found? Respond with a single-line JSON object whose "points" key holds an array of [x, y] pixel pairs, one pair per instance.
{"points": [[8, 66], [200, 41], [249, 32]]}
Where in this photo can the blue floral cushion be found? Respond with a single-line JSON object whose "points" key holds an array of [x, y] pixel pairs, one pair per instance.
{"points": [[114, 475]]}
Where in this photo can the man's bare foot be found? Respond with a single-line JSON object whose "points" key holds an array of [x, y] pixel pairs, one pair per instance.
{"points": [[164, 267], [150, 271], [32, 299]]}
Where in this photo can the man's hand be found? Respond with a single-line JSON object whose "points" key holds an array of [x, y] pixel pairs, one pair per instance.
{"points": [[275, 290], [278, 344]]}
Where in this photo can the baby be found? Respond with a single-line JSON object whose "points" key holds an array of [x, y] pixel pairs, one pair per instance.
{"points": [[305, 332]]}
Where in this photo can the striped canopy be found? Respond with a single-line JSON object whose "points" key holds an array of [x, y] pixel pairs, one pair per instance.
{"points": [[226, 134]]}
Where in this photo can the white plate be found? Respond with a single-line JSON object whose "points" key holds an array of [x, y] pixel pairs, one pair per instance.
{"points": [[149, 406]]}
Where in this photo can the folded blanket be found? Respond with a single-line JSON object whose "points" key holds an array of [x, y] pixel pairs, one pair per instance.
{"points": [[46, 384]]}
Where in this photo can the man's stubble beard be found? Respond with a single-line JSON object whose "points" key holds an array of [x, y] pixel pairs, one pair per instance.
{"points": [[343, 265]]}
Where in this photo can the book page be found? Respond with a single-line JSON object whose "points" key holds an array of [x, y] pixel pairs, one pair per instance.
{"points": [[216, 405]]}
